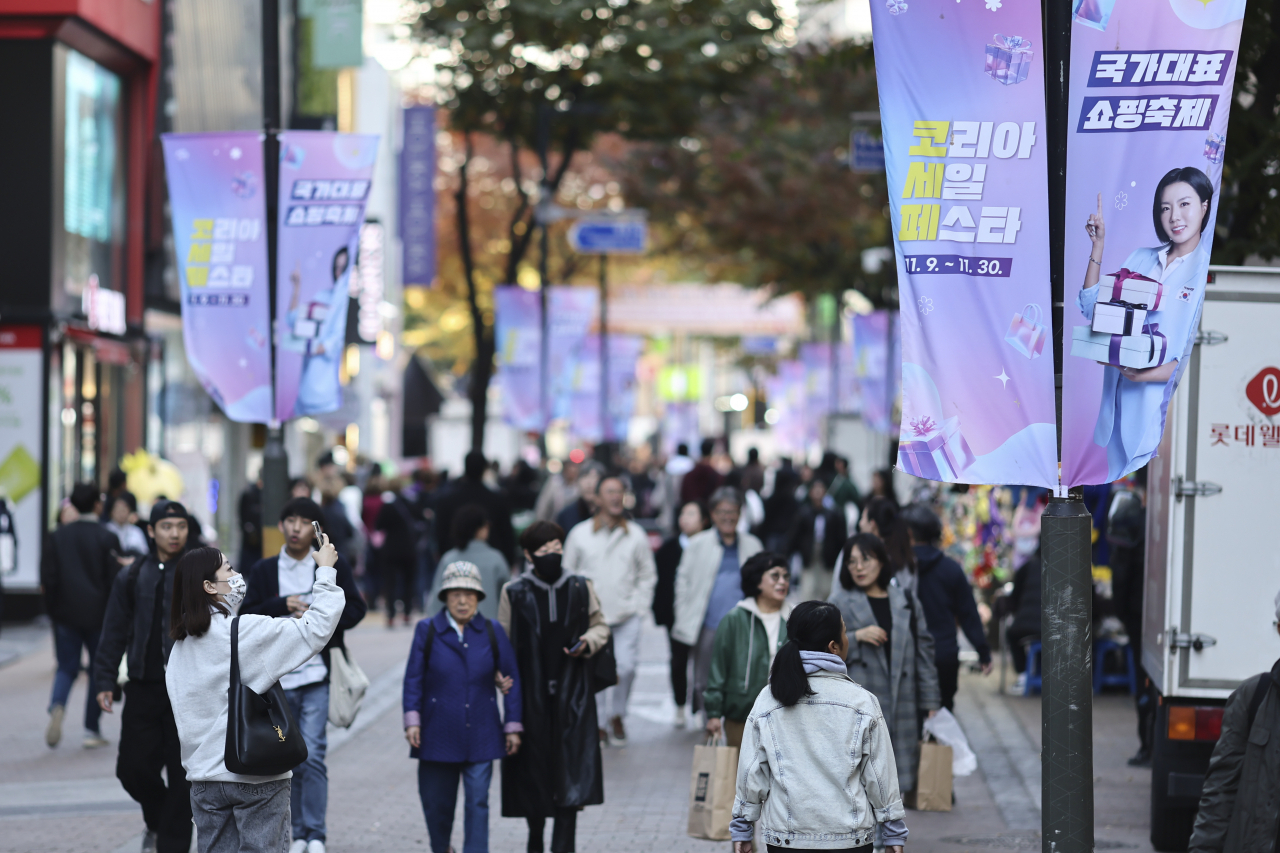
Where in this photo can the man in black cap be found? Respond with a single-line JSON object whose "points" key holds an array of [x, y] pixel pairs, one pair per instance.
{"points": [[137, 627]]}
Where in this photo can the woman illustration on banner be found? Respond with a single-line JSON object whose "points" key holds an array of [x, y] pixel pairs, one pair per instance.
{"points": [[1131, 415], [318, 328]]}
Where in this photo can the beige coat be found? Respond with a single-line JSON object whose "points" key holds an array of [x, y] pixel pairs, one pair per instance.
{"points": [[619, 563], [696, 576]]}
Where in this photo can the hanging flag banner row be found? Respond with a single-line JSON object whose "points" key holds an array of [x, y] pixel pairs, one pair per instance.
{"points": [[219, 219], [875, 350], [325, 179], [1151, 88], [962, 108]]}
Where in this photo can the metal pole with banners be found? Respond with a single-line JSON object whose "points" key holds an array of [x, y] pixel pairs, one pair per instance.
{"points": [[1066, 616], [605, 425], [275, 460]]}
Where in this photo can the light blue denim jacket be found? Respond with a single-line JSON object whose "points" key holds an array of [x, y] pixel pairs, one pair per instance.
{"points": [[831, 799]]}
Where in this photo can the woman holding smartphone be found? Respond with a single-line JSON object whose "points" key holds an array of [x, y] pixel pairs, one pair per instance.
{"points": [[234, 812]]}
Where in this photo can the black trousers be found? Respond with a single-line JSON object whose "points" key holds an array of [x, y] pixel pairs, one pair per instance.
{"points": [[398, 582], [149, 743], [680, 671], [1017, 649], [562, 832], [948, 682]]}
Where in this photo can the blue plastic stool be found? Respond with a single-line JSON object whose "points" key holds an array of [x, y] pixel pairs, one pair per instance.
{"points": [[1103, 679], [1033, 681]]}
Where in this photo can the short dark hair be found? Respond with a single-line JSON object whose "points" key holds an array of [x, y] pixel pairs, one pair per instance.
{"points": [[467, 523], [116, 479], [189, 608], [303, 508], [474, 465], [85, 496], [682, 449], [708, 446], [604, 478], [753, 455], [924, 524], [540, 533], [1199, 182], [870, 545], [128, 498], [754, 569]]}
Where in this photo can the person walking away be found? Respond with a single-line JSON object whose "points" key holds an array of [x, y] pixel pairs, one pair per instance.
{"points": [[1126, 532], [891, 649], [249, 511], [1238, 805], [1024, 603], [136, 628], [556, 625], [709, 581], [804, 794], [280, 587], [471, 489], [456, 658], [122, 520], [77, 569], [883, 518], [471, 545], [751, 477], [691, 521], [817, 535], [237, 813], [703, 479], [746, 642], [401, 530], [585, 506], [947, 600], [780, 509], [614, 554], [842, 489]]}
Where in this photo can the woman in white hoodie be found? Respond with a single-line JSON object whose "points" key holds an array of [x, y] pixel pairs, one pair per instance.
{"points": [[233, 812]]}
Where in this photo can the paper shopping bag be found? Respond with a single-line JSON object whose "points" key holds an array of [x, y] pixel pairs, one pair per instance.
{"points": [[933, 780], [711, 791], [1027, 332]]}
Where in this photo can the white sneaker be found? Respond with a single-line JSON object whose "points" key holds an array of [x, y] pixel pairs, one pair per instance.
{"points": [[1020, 683], [298, 846], [315, 846], [681, 719]]}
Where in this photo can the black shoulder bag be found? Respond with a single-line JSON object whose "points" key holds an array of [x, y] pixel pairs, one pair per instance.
{"points": [[262, 738]]}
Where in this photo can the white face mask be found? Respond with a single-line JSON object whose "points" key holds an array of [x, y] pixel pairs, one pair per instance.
{"points": [[238, 588]]}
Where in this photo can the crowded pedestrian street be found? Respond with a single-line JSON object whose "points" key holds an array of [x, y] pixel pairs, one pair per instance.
{"points": [[68, 800]]}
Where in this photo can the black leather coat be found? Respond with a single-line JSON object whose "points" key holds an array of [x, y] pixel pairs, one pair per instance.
{"points": [[559, 763]]}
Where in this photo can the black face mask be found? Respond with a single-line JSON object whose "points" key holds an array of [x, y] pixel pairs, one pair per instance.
{"points": [[548, 568]]}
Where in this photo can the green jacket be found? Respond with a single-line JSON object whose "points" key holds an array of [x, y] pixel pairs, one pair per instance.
{"points": [[843, 491], [740, 662]]}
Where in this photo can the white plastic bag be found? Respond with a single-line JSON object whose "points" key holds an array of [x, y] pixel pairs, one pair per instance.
{"points": [[946, 730]]}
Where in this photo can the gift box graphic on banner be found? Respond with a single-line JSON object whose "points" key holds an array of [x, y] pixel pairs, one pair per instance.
{"points": [[934, 451], [1138, 352], [1118, 318], [1008, 59], [1135, 289], [1093, 13], [1215, 146], [1026, 332]]}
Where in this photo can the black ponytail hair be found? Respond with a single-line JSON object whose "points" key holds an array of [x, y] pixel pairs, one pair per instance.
{"points": [[813, 627]]}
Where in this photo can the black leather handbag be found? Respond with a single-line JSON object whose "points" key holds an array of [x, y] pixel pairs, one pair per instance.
{"points": [[262, 737]]}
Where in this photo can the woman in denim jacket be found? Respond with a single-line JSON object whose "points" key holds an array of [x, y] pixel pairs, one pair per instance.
{"points": [[826, 737]]}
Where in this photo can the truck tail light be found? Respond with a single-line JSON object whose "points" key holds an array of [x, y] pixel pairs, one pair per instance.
{"points": [[1187, 722]]}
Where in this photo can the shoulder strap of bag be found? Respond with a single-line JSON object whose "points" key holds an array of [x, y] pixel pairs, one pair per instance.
{"points": [[235, 653], [426, 649], [493, 644], [1259, 693]]}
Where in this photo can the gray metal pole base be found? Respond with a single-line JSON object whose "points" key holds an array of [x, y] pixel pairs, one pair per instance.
{"points": [[1066, 628], [275, 489]]}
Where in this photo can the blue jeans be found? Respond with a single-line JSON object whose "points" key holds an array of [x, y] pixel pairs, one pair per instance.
{"points": [[438, 790], [309, 795], [67, 642]]}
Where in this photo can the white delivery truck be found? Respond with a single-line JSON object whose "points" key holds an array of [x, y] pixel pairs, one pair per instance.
{"points": [[1212, 560]]}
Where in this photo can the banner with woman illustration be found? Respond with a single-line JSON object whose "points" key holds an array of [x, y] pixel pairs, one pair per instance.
{"points": [[325, 179], [963, 109], [1150, 87]]}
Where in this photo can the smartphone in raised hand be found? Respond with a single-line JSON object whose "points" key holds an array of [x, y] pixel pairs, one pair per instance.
{"points": [[319, 537]]}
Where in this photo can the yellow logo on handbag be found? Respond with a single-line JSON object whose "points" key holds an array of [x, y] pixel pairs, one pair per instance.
{"points": [[279, 733]]}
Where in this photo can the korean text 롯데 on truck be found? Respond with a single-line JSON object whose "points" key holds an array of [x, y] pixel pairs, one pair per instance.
{"points": [[1212, 561]]}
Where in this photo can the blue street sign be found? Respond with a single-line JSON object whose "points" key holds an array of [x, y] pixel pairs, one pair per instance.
{"points": [[609, 236], [866, 153]]}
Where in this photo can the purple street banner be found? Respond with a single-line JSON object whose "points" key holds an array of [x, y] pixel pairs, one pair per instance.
{"points": [[584, 405], [574, 311], [962, 108], [794, 430], [518, 341], [1151, 85], [418, 196], [872, 357], [325, 179], [817, 363], [219, 215]]}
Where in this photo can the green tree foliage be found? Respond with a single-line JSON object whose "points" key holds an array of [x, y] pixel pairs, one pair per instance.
{"points": [[762, 187], [551, 74], [1249, 212]]}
